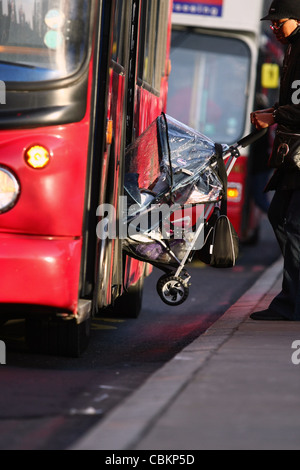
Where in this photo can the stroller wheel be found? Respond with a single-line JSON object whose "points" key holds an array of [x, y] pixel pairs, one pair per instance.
{"points": [[172, 290]]}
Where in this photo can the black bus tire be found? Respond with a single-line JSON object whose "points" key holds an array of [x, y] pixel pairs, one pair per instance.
{"points": [[56, 336], [129, 304]]}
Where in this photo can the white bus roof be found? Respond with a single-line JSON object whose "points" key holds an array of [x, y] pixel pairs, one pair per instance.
{"points": [[237, 15]]}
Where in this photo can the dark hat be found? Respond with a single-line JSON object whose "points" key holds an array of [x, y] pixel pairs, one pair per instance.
{"points": [[280, 9]]}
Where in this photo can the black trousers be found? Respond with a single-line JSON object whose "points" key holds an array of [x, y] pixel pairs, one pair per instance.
{"points": [[284, 215]]}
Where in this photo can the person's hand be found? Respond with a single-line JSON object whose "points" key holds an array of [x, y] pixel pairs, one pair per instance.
{"points": [[263, 118]]}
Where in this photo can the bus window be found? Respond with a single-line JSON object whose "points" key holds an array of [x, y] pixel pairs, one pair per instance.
{"points": [[208, 87], [161, 42], [47, 40], [145, 42], [153, 39], [118, 45]]}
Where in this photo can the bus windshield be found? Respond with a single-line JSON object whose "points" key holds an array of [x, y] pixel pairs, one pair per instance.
{"points": [[208, 88], [42, 40]]}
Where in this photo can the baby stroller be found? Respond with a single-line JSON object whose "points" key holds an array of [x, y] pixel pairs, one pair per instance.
{"points": [[174, 179]]}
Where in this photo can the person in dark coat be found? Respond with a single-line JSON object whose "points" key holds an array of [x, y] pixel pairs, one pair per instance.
{"points": [[284, 211]]}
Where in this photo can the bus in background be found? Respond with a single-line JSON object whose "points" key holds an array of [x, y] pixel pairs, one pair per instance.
{"points": [[217, 56], [83, 79]]}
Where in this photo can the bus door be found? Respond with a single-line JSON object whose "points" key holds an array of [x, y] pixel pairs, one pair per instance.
{"points": [[146, 99], [114, 72], [116, 273]]}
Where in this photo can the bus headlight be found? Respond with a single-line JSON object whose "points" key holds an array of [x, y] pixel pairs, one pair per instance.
{"points": [[9, 190]]}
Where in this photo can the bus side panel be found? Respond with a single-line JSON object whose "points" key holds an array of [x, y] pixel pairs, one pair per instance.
{"points": [[238, 177], [244, 214], [149, 107], [41, 237], [40, 271]]}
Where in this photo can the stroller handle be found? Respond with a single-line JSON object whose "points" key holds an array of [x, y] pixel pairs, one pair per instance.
{"points": [[251, 138]]}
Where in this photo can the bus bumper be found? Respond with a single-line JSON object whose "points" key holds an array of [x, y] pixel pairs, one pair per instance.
{"points": [[39, 271]]}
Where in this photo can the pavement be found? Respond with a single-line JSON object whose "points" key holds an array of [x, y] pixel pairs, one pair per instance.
{"points": [[236, 387]]}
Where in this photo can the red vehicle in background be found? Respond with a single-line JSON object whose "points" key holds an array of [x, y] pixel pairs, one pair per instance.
{"points": [[83, 79], [221, 60]]}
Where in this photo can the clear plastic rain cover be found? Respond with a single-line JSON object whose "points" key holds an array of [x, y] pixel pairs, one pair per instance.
{"points": [[171, 161]]}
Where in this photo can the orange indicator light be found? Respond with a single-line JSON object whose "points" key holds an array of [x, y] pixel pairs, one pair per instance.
{"points": [[37, 157], [109, 132], [233, 193]]}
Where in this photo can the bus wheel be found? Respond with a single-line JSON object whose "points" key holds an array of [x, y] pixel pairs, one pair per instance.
{"points": [[58, 337], [129, 304]]}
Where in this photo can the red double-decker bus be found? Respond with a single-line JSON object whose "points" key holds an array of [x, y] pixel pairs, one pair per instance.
{"points": [[83, 78]]}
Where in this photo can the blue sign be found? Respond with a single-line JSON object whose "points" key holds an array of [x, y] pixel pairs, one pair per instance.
{"points": [[199, 7]]}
